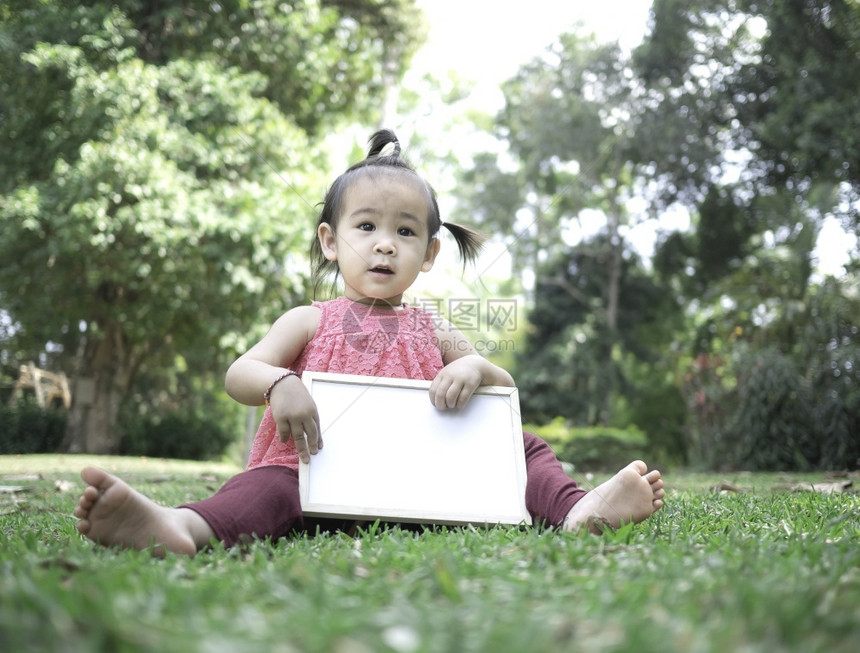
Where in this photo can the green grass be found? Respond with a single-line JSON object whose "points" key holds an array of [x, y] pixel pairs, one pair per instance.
{"points": [[765, 570]]}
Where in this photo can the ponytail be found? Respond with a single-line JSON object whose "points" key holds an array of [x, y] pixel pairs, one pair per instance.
{"points": [[384, 143], [469, 241]]}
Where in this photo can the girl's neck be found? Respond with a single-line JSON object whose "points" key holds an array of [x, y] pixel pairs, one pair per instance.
{"points": [[382, 304]]}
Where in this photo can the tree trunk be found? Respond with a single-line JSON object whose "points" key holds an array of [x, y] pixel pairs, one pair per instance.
{"points": [[615, 263], [98, 386]]}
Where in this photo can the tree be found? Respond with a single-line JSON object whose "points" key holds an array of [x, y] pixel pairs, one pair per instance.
{"points": [[765, 90], [563, 368], [324, 61], [151, 199], [718, 111], [761, 85], [571, 125], [560, 151]]}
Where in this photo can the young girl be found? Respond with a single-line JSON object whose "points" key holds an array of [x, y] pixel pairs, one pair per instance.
{"points": [[378, 229]]}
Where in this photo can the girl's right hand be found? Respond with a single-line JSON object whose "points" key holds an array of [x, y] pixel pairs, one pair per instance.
{"points": [[295, 414]]}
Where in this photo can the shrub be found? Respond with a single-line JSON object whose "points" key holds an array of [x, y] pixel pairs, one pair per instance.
{"points": [[595, 448], [779, 415], [174, 435], [25, 427], [835, 383], [604, 448], [556, 433], [772, 427]]}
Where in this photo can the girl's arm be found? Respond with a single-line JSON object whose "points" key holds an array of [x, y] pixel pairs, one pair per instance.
{"points": [[251, 373], [293, 409], [465, 370]]}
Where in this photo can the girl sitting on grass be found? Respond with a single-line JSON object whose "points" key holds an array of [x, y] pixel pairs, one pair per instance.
{"points": [[378, 228]]}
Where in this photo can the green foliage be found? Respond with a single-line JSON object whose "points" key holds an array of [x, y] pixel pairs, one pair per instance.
{"points": [[775, 384], [321, 61], [595, 448], [760, 411], [763, 570], [180, 414], [776, 78], [25, 427], [771, 345], [572, 124], [652, 400], [155, 193], [771, 428], [148, 226], [563, 375], [556, 432], [604, 451], [721, 111], [175, 435], [574, 366], [830, 342], [567, 154], [800, 101]]}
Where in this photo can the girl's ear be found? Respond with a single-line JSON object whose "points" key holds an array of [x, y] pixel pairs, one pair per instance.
{"points": [[430, 256], [328, 241]]}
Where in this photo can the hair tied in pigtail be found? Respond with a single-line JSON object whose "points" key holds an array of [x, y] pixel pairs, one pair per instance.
{"points": [[469, 242], [391, 148], [384, 144]]}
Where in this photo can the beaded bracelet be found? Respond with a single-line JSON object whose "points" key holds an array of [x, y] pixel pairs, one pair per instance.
{"points": [[268, 393]]}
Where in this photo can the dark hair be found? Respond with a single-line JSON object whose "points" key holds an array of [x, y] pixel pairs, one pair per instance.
{"points": [[384, 152]]}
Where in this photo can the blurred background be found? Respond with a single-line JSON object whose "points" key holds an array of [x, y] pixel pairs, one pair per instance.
{"points": [[670, 191]]}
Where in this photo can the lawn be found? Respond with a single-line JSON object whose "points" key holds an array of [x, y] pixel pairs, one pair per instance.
{"points": [[762, 569]]}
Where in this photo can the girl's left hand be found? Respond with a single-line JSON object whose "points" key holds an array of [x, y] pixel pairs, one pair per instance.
{"points": [[455, 384]]}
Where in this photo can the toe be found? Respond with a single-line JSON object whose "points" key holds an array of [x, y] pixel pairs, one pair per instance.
{"points": [[95, 477], [638, 466], [653, 477]]}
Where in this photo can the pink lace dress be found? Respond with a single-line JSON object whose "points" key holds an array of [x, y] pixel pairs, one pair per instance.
{"points": [[355, 338]]}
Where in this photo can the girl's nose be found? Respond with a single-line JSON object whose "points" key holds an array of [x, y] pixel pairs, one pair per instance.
{"points": [[384, 246]]}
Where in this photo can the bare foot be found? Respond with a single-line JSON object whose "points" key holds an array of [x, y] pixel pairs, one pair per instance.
{"points": [[632, 495], [111, 513]]}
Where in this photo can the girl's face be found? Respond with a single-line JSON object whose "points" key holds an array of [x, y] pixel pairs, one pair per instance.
{"points": [[381, 239]]}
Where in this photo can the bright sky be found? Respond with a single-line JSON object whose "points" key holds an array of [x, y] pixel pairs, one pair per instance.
{"points": [[488, 40]]}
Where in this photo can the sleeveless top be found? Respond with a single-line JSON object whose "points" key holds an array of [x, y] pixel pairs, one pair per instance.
{"points": [[354, 338]]}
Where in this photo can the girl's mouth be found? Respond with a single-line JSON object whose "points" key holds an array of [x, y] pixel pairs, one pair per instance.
{"points": [[382, 270]]}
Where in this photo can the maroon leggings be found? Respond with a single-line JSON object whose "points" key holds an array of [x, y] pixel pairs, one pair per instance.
{"points": [[264, 502]]}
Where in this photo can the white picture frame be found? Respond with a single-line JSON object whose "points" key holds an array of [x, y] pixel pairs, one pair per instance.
{"points": [[389, 454]]}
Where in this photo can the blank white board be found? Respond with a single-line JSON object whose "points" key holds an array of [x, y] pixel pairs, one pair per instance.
{"points": [[390, 454]]}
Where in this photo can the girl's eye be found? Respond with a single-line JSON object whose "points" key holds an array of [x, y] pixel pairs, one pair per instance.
{"points": [[366, 226], [405, 231]]}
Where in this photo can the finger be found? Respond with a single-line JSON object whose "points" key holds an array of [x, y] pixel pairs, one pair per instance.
{"points": [[301, 443], [452, 397], [284, 434], [312, 436], [441, 398], [434, 392], [463, 399], [319, 431]]}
